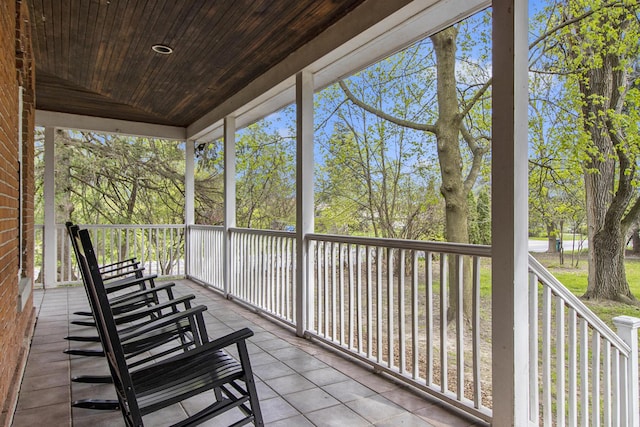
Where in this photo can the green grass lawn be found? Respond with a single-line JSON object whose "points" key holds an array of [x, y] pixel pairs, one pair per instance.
{"points": [[575, 279]]}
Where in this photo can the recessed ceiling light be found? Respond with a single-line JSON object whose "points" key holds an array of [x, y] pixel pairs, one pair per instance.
{"points": [[162, 49]]}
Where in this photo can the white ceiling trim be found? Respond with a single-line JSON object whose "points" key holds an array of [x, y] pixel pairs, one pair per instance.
{"points": [[111, 126]]}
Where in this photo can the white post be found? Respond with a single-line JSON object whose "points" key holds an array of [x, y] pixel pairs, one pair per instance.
{"points": [[304, 192], [189, 209], [510, 345], [49, 238], [628, 331], [229, 195], [21, 179]]}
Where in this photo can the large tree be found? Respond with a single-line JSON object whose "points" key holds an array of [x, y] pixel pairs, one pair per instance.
{"points": [[455, 116], [110, 179], [600, 48]]}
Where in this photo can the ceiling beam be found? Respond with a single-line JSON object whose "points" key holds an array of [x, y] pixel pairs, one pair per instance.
{"points": [[111, 126]]}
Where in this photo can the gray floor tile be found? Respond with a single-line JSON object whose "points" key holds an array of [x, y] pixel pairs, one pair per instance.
{"points": [[375, 408], [273, 344], [43, 397], [441, 417], [305, 363], [289, 384], [264, 391], [297, 421], [52, 415], [277, 409], [287, 353], [165, 416], [407, 399], [92, 418], [47, 369], [348, 391], [311, 400], [337, 416], [405, 419], [325, 376], [41, 382], [272, 370]]}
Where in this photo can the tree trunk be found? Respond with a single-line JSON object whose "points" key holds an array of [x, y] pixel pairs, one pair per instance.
{"points": [[450, 160], [599, 191], [635, 240], [551, 238], [610, 280]]}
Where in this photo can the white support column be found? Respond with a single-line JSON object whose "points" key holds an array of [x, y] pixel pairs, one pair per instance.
{"points": [[21, 179], [49, 238], [304, 191], [510, 214], [229, 194], [189, 206], [628, 331]]}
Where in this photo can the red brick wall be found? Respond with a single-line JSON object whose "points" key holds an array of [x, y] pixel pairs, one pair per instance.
{"points": [[16, 69]]}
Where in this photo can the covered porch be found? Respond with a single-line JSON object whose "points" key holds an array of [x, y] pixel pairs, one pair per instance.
{"points": [[329, 288], [300, 383]]}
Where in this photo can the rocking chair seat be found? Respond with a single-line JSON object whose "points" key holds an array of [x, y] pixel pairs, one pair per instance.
{"points": [[207, 367]]}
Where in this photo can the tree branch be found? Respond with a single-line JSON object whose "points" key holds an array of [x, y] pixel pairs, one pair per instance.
{"points": [[383, 115], [469, 105], [571, 21], [478, 155]]}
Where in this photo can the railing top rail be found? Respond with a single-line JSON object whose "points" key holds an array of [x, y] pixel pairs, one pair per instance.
{"points": [[277, 233], [205, 227], [574, 302], [127, 226], [420, 245]]}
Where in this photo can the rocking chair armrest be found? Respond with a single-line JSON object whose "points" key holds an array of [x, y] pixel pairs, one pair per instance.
{"points": [[219, 343], [121, 268], [228, 340], [127, 282], [169, 319], [121, 272], [123, 299], [131, 260], [157, 309]]}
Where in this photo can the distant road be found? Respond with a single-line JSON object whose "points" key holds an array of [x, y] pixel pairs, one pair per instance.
{"points": [[543, 245]]}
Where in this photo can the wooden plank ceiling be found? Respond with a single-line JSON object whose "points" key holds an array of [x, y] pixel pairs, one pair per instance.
{"points": [[94, 57]]}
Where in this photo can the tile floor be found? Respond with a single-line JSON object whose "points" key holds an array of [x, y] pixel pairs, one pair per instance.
{"points": [[300, 383]]}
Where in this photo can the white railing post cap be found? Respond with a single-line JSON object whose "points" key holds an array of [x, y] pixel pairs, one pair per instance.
{"points": [[627, 322]]}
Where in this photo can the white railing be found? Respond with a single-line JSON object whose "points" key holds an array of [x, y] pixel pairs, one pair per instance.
{"points": [[389, 303], [582, 373], [159, 248], [263, 270], [206, 255], [398, 305]]}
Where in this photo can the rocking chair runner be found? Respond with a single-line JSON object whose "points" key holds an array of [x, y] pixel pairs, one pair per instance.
{"points": [[207, 368]]}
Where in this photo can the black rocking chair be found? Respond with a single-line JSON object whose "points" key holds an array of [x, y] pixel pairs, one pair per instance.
{"points": [[207, 368]]}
